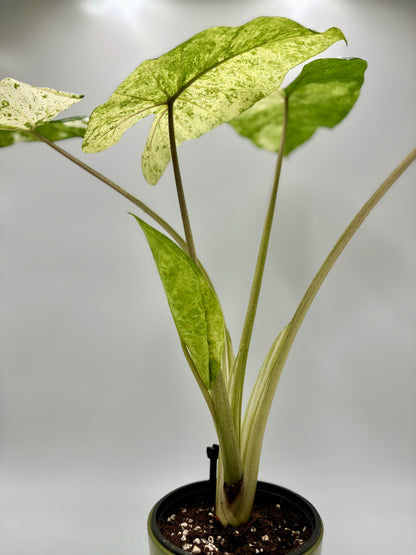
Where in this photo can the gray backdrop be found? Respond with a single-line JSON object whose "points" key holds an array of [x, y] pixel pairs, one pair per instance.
{"points": [[99, 414]]}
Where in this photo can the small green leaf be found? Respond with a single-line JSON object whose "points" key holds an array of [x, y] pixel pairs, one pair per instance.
{"points": [[195, 308], [208, 80], [24, 107], [54, 131], [321, 96]]}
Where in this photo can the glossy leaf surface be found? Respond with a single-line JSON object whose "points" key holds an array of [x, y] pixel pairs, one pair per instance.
{"points": [[208, 80], [321, 96], [56, 130], [24, 107], [195, 308]]}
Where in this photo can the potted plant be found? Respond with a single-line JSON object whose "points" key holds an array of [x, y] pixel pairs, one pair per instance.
{"points": [[221, 75]]}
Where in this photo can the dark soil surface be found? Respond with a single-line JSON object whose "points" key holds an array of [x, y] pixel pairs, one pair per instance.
{"points": [[276, 529]]}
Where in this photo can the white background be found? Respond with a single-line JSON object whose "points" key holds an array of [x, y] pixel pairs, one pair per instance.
{"points": [[99, 414]]}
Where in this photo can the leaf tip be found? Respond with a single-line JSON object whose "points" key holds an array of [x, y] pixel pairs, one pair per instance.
{"points": [[138, 220]]}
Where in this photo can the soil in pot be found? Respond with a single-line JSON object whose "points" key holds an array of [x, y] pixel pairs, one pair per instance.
{"points": [[277, 528]]}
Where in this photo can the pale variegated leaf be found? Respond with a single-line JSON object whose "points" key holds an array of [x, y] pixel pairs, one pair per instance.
{"points": [[194, 305], [25, 107], [208, 80]]}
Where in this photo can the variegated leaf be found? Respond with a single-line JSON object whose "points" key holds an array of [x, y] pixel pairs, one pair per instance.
{"points": [[208, 80], [25, 107]]}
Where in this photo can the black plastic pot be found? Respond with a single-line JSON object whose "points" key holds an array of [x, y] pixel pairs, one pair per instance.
{"points": [[159, 545]]}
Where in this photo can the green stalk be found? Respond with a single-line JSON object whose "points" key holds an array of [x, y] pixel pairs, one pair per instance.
{"points": [[115, 187], [179, 187], [237, 381]]}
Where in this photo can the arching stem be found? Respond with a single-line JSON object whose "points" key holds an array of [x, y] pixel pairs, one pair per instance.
{"points": [[169, 229]]}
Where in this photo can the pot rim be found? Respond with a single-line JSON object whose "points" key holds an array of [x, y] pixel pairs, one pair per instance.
{"points": [[185, 492]]}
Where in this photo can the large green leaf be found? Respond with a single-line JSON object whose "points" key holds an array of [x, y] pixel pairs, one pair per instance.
{"points": [[56, 130], [208, 80], [195, 308], [321, 96], [23, 107]]}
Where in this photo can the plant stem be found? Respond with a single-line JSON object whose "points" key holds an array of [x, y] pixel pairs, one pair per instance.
{"points": [[116, 187], [344, 240], [241, 360], [179, 187], [158, 219], [228, 441]]}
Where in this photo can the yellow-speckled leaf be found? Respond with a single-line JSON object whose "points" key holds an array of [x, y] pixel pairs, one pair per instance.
{"points": [[194, 305], [208, 80], [25, 107]]}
